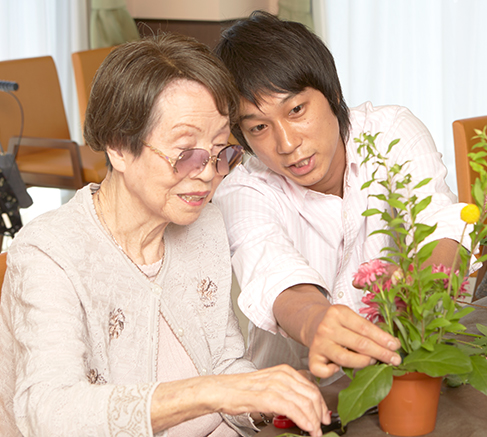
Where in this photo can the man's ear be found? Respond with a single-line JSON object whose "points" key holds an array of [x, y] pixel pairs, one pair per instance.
{"points": [[118, 158]]}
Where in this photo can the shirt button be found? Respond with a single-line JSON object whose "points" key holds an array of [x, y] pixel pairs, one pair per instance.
{"points": [[180, 332], [203, 371], [155, 288], [340, 294], [344, 214]]}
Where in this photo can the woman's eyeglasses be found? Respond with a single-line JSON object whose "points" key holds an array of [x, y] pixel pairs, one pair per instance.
{"points": [[193, 161]]}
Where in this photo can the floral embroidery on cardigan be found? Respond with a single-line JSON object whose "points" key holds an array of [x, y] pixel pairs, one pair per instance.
{"points": [[116, 323], [207, 290], [95, 378]]}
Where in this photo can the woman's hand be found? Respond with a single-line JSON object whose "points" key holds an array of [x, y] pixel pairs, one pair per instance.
{"points": [[278, 390]]}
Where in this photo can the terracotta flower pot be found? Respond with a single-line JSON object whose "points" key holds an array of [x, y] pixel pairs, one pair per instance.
{"points": [[410, 407]]}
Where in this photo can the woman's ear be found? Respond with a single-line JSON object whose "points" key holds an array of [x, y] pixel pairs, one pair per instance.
{"points": [[117, 158]]}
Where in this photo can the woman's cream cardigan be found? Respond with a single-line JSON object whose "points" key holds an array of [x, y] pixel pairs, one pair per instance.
{"points": [[79, 322]]}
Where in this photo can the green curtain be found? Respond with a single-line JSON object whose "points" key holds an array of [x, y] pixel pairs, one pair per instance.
{"points": [[111, 24], [296, 10]]}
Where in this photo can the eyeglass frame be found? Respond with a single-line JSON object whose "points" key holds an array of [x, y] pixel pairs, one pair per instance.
{"points": [[213, 158]]}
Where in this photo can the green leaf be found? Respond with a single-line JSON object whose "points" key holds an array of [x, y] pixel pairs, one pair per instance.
{"points": [[402, 332], [478, 192], [422, 183], [368, 388], [428, 346], [470, 349], [462, 313], [437, 323], [415, 344], [422, 231], [398, 221], [348, 371], [426, 251], [456, 380], [420, 206], [443, 360], [478, 378], [477, 155], [382, 231], [392, 144], [396, 204], [379, 196], [432, 301], [476, 167], [366, 184], [371, 211], [482, 328], [455, 327]]}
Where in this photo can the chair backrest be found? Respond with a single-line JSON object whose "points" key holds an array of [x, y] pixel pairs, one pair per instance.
{"points": [[463, 132], [40, 94], [85, 65], [3, 268]]}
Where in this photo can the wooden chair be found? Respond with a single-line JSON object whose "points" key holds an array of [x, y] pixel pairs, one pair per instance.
{"points": [[46, 155], [3, 269], [85, 65], [463, 132]]}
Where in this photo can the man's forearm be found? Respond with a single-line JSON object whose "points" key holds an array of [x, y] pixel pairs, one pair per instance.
{"points": [[299, 310], [445, 253]]}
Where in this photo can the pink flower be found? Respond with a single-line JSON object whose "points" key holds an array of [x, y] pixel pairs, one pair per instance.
{"points": [[368, 272], [385, 286], [447, 270], [372, 310], [400, 304]]}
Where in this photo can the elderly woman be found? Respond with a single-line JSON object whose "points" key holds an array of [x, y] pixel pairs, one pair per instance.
{"points": [[116, 315]]}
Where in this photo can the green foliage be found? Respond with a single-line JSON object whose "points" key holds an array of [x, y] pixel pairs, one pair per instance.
{"points": [[442, 360], [420, 306], [369, 386]]}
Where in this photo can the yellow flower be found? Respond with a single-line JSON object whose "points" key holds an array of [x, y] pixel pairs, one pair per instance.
{"points": [[470, 214]]}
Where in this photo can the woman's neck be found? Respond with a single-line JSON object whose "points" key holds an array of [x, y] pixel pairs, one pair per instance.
{"points": [[137, 233]]}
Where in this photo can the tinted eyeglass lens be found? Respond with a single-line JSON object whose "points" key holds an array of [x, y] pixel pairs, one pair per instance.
{"points": [[192, 160], [229, 158]]}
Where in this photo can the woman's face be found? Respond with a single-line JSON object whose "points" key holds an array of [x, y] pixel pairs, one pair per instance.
{"points": [[186, 117]]}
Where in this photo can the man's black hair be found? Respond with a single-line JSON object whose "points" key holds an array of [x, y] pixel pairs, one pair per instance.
{"points": [[267, 55]]}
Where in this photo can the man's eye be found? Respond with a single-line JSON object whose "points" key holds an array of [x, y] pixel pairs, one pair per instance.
{"points": [[257, 128], [296, 109]]}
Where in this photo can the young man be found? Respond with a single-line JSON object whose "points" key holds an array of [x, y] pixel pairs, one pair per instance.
{"points": [[293, 211]]}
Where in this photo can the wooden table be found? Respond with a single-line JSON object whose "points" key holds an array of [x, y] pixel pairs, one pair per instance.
{"points": [[462, 411]]}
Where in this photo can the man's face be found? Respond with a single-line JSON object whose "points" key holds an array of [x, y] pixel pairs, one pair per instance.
{"points": [[297, 136]]}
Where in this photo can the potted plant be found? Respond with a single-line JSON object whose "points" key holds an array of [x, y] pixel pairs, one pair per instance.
{"points": [[422, 306], [419, 305]]}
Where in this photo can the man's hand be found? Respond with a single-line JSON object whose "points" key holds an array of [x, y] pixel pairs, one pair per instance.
{"points": [[343, 338], [335, 334]]}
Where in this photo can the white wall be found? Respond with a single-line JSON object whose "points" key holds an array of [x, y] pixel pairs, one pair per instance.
{"points": [[207, 10], [429, 56]]}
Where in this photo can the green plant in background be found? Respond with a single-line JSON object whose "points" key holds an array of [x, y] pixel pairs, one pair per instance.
{"points": [[419, 305]]}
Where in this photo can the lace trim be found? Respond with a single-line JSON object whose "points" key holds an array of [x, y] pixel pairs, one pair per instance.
{"points": [[127, 411]]}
